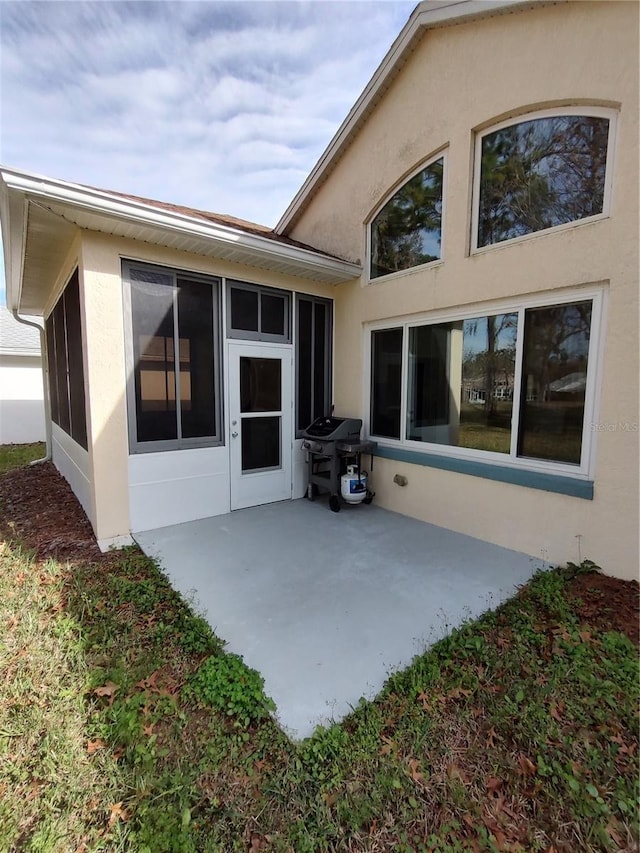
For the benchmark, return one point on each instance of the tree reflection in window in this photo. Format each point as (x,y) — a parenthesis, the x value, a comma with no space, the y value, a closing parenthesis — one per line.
(554,381)
(407,231)
(541,173)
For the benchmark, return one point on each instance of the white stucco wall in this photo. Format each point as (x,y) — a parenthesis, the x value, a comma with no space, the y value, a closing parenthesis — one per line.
(21,399)
(460,79)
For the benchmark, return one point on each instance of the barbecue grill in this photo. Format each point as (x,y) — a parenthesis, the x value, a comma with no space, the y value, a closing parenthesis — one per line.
(330,443)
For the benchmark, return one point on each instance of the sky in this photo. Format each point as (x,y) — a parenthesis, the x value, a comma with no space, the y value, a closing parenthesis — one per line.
(224,106)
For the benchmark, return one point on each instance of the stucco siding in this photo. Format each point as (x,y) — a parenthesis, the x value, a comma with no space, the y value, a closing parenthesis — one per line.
(101,302)
(459,80)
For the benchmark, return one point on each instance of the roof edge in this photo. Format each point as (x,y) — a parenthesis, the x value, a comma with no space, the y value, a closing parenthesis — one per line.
(429,14)
(31,187)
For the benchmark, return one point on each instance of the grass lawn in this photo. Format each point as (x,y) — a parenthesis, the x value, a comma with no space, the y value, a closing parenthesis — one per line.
(124,725)
(14,455)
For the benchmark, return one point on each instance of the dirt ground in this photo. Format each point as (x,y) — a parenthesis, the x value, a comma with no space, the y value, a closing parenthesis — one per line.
(38,508)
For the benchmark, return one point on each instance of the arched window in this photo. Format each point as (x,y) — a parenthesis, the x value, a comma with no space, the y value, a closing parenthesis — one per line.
(407,231)
(541,172)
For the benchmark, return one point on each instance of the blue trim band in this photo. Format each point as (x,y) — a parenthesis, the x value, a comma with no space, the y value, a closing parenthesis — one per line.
(559,483)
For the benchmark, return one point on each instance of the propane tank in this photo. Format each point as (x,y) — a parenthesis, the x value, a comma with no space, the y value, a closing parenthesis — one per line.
(353,488)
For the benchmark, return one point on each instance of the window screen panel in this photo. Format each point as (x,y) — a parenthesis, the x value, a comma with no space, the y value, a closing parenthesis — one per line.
(64,414)
(272,314)
(52,369)
(154,358)
(244,309)
(197,357)
(313,359)
(319,360)
(304,344)
(75,360)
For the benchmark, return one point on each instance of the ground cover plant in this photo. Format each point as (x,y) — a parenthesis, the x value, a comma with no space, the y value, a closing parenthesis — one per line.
(125,726)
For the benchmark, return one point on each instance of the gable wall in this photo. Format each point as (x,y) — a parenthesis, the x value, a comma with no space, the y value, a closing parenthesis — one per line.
(459,79)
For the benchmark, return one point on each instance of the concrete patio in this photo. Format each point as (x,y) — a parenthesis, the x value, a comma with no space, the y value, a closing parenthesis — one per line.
(325,606)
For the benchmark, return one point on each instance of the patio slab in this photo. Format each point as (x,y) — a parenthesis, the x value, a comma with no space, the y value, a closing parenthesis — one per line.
(326,605)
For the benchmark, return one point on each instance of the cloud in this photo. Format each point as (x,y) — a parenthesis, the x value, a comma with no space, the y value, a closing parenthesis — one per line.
(200,103)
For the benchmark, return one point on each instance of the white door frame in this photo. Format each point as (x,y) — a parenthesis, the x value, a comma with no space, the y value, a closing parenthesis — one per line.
(256,487)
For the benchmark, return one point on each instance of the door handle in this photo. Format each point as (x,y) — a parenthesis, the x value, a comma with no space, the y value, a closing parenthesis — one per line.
(234,434)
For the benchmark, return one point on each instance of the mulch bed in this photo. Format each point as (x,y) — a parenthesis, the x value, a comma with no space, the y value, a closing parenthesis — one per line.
(38,509)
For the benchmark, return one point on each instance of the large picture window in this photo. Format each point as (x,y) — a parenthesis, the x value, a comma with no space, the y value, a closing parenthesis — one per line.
(63,330)
(540,173)
(174,387)
(512,386)
(313,359)
(407,232)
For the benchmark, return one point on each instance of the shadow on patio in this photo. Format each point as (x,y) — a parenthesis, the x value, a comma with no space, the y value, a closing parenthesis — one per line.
(326,605)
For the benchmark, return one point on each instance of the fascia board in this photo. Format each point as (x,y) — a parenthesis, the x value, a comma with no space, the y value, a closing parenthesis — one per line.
(13,215)
(427,15)
(99,202)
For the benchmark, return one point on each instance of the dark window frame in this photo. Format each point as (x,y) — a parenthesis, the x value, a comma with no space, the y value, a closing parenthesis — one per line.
(137,446)
(327,366)
(260,290)
(65,363)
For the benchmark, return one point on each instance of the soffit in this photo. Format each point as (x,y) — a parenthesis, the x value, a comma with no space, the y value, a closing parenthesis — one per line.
(41,218)
(48,242)
(189,237)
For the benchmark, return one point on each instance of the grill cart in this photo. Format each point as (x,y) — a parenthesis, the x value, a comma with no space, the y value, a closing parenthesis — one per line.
(334,452)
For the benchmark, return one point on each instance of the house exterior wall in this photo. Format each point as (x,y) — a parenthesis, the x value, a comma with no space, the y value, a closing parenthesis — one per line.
(141,491)
(459,80)
(21,399)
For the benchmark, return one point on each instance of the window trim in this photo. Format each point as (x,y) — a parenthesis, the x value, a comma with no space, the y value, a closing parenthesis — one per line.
(588,111)
(475,459)
(243,334)
(328,304)
(441,154)
(180,443)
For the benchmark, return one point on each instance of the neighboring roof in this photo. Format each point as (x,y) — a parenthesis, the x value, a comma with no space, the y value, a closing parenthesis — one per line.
(429,14)
(40,217)
(15,337)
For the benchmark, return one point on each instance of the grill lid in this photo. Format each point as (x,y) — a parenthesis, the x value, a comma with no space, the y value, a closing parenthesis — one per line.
(332,429)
